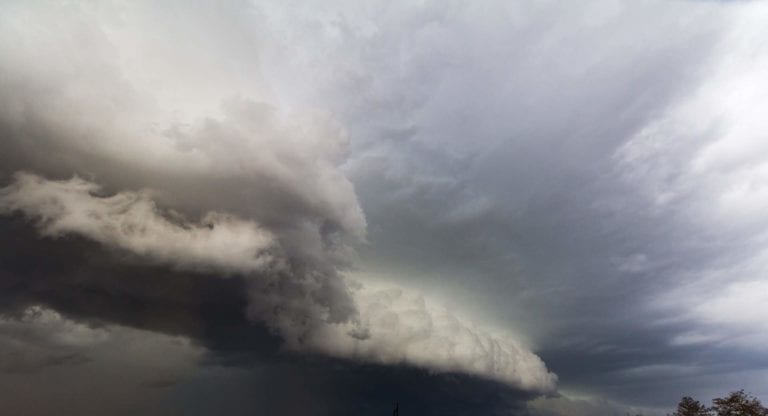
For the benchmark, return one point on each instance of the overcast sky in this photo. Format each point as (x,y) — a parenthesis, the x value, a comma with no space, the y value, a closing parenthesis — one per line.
(531,208)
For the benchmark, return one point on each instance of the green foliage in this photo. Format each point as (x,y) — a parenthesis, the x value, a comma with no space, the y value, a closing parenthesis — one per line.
(690,407)
(738,403)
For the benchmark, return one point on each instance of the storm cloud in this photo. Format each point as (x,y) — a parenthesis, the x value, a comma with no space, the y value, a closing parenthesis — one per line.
(491,201)
(221,181)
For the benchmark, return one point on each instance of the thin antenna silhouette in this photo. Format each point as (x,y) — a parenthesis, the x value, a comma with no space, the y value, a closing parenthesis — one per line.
(397,410)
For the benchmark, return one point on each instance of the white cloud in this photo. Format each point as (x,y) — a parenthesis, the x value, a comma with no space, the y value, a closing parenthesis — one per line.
(731,314)
(704,162)
(132,221)
(120,92)
(706,153)
(398,326)
(158,112)
(390,326)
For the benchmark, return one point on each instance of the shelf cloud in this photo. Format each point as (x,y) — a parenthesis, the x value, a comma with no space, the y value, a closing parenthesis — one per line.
(223,181)
(530,207)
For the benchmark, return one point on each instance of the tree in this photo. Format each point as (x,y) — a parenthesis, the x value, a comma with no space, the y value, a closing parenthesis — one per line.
(690,407)
(739,403)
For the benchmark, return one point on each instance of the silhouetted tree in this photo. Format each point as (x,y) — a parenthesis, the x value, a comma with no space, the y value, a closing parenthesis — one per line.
(690,407)
(739,403)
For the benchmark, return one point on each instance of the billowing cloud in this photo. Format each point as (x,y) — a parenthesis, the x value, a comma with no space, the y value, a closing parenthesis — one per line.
(131,221)
(389,326)
(570,170)
(395,326)
(591,176)
(193,161)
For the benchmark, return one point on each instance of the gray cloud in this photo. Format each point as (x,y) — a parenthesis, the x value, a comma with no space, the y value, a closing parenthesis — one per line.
(43,354)
(131,221)
(575,172)
(388,326)
(247,184)
(588,175)
(102,287)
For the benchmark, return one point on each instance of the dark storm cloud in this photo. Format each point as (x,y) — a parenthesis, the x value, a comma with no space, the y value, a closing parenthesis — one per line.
(94,284)
(309,309)
(325,388)
(160,167)
(101,287)
(588,174)
(570,170)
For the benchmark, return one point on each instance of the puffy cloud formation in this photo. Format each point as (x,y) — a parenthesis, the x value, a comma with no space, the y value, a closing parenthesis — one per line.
(390,326)
(124,102)
(201,165)
(568,170)
(396,326)
(131,221)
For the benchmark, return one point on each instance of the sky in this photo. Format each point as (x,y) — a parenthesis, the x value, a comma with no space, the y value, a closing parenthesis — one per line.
(530,208)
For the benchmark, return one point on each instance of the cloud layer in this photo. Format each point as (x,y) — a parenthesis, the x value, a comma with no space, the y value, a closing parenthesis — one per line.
(196,164)
(575,172)
(591,176)
(131,221)
(398,327)
(43,354)
(387,326)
